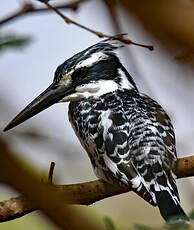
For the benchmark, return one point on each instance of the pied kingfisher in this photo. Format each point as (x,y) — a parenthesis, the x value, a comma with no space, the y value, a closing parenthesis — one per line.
(128,136)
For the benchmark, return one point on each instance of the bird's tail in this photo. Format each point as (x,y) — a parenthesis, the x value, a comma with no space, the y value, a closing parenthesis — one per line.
(169,205)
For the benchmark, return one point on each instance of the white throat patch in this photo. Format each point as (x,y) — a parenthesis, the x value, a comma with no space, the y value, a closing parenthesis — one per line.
(93,89)
(125,84)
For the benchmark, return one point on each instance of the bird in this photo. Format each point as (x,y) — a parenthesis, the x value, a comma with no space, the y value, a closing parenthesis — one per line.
(127,135)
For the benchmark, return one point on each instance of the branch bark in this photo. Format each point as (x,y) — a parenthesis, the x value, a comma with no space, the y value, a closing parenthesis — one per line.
(83,193)
(184,167)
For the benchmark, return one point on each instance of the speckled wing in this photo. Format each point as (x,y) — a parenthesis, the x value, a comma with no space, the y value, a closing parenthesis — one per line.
(129,139)
(156,154)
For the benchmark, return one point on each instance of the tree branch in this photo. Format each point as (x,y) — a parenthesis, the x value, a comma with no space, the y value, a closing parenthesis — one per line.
(30,8)
(99,34)
(184,167)
(83,193)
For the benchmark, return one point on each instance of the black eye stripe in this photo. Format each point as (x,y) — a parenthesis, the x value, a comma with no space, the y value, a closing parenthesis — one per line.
(80,73)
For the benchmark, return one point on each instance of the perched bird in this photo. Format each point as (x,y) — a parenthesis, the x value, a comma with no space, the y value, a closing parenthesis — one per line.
(128,136)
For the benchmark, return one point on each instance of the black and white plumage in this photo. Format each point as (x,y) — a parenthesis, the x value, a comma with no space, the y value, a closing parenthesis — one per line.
(128,136)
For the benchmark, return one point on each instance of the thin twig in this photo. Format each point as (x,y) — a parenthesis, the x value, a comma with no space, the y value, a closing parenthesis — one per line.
(30,8)
(51,171)
(99,34)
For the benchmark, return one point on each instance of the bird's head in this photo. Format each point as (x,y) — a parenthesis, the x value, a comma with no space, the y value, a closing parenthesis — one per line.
(90,73)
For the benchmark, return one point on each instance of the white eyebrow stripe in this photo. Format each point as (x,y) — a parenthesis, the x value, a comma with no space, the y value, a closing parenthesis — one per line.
(95,57)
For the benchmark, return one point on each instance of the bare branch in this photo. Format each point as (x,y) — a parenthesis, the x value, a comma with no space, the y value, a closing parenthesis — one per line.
(15,208)
(30,8)
(184,167)
(99,34)
(83,193)
(88,193)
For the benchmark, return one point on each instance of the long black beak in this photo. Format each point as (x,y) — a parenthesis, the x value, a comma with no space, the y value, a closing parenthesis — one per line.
(49,97)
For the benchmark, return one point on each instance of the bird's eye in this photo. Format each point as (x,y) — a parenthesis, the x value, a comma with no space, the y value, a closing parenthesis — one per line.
(79,73)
